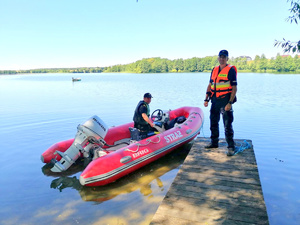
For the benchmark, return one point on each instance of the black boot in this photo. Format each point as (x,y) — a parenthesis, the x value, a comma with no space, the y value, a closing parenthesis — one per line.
(212,145)
(231,151)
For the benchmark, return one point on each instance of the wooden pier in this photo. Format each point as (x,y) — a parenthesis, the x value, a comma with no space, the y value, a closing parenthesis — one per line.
(212,188)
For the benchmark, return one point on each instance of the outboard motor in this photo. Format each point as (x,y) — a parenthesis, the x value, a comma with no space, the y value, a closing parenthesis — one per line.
(92,132)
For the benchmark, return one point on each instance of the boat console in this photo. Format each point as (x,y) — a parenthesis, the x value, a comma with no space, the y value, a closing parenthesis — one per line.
(89,134)
(159,118)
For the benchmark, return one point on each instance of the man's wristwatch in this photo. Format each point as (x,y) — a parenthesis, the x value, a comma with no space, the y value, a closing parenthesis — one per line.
(230,102)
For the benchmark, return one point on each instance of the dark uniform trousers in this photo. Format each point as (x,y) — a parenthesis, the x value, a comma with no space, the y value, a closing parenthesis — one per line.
(218,108)
(144,129)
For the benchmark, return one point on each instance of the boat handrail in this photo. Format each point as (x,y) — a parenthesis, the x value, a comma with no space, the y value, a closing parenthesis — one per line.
(139,144)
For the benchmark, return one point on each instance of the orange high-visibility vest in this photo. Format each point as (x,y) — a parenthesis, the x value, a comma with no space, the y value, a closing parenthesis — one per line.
(220,84)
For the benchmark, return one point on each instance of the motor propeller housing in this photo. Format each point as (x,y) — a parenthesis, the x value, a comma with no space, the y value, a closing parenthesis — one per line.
(91,132)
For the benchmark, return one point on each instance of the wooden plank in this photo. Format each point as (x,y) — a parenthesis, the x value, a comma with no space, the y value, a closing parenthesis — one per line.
(212,188)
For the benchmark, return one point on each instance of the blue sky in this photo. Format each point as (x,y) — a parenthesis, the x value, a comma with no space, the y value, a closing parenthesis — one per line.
(73,33)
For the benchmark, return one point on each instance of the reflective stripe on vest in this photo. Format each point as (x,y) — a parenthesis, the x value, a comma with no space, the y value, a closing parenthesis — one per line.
(220,84)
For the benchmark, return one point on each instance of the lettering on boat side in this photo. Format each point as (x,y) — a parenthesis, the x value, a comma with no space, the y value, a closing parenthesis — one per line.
(125,159)
(141,152)
(173,136)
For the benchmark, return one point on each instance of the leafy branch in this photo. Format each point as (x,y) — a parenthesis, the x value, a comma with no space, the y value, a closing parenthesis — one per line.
(287,45)
(295,11)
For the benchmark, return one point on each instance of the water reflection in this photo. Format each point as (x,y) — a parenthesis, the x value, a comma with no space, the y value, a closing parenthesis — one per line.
(139,180)
(77,167)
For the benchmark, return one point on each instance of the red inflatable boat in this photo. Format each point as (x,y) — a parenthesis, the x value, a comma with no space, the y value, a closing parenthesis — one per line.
(117,151)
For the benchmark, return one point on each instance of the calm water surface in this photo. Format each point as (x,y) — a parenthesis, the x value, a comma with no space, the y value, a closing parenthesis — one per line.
(39,110)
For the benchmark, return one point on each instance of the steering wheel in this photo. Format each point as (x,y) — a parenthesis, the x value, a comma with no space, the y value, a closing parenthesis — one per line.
(157,115)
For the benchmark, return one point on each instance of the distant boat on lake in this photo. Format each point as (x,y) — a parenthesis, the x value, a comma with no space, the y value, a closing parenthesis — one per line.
(76,79)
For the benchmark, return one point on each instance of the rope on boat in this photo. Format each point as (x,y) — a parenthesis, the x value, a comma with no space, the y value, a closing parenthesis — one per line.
(201,128)
(150,141)
(139,144)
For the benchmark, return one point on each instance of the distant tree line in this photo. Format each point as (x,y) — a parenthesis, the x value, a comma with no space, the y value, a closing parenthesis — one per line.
(260,64)
(56,70)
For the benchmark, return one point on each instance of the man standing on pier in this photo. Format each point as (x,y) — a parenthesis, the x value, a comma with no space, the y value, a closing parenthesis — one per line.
(221,90)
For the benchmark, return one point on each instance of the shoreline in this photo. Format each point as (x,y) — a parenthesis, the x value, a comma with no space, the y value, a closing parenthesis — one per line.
(206,71)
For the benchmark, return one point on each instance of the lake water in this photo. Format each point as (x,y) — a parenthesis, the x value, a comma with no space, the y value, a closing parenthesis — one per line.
(39,110)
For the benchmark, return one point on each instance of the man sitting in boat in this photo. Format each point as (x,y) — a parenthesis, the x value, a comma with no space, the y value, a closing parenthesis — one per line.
(141,116)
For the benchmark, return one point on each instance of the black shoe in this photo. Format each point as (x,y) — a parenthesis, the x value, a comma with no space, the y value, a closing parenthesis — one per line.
(231,152)
(211,146)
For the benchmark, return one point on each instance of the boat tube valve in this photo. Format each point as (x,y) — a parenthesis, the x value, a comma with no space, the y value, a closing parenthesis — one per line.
(92,132)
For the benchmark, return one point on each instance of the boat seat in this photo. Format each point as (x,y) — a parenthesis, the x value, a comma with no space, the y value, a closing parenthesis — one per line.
(177,120)
(134,134)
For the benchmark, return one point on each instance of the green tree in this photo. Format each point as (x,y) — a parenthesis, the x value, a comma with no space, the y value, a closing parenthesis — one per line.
(200,66)
(271,64)
(164,65)
(209,63)
(297,63)
(188,65)
(143,66)
(240,63)
(289,65)
(178,65)
(263,63)
(255,64)
(279,63)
